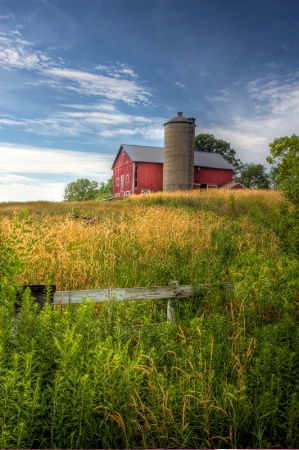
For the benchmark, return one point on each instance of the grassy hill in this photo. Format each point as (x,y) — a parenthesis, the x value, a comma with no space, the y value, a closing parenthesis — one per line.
(225,375)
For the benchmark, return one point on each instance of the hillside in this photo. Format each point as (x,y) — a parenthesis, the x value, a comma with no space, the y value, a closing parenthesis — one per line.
(102,376)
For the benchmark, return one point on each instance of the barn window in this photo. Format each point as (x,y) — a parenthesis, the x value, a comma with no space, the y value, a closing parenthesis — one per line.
(136,176)
(117,195)
(127,178)
(117,181)
(127,193)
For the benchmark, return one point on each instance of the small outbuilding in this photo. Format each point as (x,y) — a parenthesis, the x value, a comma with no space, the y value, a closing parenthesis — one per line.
(233,185)
(139,169)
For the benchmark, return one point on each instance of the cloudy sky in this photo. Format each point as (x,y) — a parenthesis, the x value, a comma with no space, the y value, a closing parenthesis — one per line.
(79,78)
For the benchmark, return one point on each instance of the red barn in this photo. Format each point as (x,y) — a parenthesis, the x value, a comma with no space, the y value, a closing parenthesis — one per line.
(139,169)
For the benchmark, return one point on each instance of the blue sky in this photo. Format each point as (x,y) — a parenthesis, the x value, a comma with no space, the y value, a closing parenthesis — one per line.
(79,78)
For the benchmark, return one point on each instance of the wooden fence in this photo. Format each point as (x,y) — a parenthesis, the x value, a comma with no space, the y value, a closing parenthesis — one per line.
(172,291)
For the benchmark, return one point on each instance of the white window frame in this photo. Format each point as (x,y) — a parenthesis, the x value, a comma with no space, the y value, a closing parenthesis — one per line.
(117,195)
(127,193)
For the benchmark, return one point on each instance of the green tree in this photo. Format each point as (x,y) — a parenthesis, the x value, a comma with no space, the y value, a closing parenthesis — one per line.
(272,176)
(105,189)
(208,143)
(285,154)
(254,176)
(80,190)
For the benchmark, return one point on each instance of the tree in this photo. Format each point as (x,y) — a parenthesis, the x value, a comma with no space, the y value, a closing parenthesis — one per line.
(80,190)
(285,153)
(254,176)
(208,143)
(272,176)
(105,189)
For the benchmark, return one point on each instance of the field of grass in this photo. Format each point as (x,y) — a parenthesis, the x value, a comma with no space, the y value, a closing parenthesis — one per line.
(84,376)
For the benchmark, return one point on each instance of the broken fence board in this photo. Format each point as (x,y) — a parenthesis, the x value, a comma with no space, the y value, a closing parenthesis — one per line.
(140,293)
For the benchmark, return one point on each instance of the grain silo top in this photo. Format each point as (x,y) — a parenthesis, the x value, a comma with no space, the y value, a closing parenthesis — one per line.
(180,118)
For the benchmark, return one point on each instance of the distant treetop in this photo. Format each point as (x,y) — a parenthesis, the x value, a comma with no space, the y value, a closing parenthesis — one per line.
(208,143)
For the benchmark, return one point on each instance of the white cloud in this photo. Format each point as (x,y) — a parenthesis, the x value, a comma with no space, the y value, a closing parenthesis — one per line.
(16,53)
(117,70)
(89,119)
(18,192)
(154,132)
(96,107)
(180,85)
(275,95)
(275,103)
(118,83)
(39,160)
(6,16)
(223,95)
(33,173)
(128,71)
(111,88)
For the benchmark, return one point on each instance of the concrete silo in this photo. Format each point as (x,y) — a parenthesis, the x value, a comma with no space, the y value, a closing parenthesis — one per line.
(178,169)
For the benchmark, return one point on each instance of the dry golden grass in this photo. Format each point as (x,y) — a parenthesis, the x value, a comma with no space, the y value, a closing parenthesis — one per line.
(132,241)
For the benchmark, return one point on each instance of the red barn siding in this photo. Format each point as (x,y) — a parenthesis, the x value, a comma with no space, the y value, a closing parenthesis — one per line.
(133,177)
(149,176)
(123,175)
(212,176)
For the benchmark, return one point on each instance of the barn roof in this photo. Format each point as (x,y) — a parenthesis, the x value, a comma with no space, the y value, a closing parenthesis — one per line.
(211,160)
(140,153)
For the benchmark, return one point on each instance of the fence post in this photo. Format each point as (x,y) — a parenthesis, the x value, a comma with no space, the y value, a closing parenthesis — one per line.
(170,308)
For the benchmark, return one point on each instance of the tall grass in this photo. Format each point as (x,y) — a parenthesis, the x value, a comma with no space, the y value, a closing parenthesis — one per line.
(82,377)
(140,241)
(101,376)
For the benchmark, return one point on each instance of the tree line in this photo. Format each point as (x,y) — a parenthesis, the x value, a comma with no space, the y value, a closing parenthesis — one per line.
(283,174)
(250,175)
(84,189)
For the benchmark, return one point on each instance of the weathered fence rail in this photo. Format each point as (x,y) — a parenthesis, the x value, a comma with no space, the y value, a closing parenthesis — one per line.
(172,291)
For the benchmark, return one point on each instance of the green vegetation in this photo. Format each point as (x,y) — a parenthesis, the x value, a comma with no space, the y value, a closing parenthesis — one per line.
(101,376)
(208,143)
(254,176)
(250,175)
(285,153)
(84,189)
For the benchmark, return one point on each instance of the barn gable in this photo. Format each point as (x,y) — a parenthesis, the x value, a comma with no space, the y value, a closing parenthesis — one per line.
(140,153)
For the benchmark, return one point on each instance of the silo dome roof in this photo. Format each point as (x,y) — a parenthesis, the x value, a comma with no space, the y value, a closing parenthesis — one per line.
(180,118)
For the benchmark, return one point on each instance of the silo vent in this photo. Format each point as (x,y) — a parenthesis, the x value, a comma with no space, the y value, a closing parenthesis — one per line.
(180,113)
